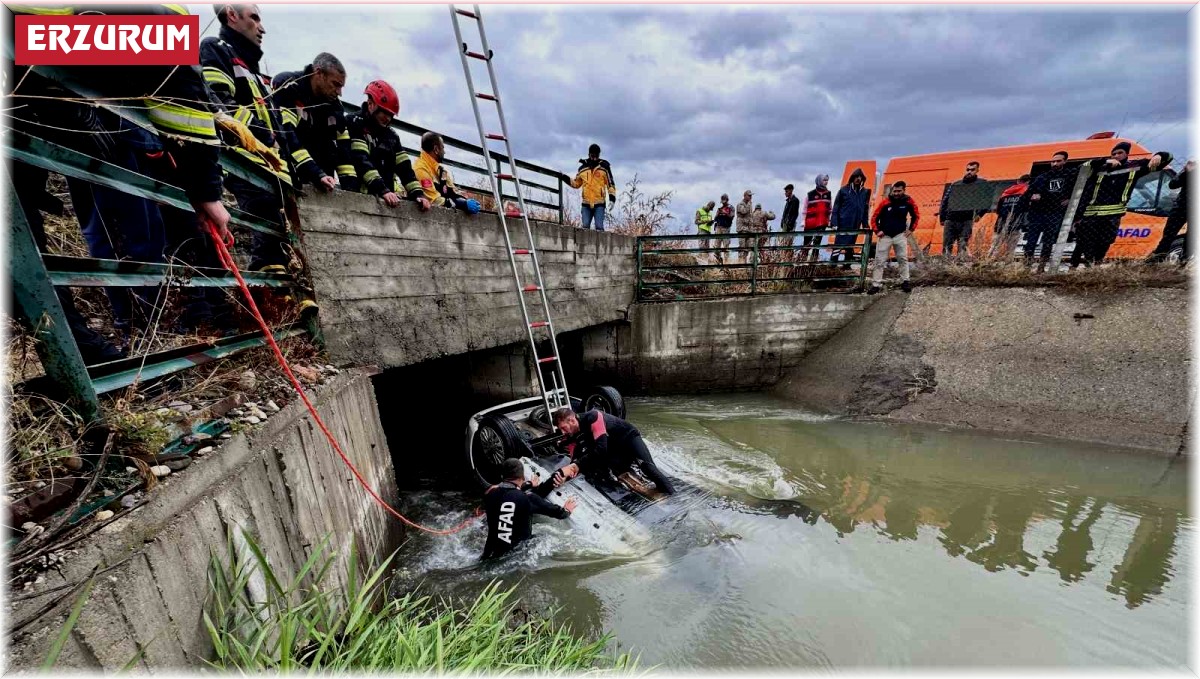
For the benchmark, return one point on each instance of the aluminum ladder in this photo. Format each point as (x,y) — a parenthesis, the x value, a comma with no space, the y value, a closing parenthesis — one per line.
(556,395)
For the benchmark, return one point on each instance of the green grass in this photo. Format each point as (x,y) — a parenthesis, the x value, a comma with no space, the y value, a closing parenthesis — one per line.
(307,624)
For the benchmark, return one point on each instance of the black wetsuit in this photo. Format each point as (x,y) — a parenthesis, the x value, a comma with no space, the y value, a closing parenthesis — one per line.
(509,510)
(611,441)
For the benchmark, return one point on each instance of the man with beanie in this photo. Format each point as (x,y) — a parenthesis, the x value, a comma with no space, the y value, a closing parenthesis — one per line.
(894,218)
(1046,202)
(817,210)
(510,508)
(1178,217)
(958,222)
(1105,198)
(850,212)
(596,179)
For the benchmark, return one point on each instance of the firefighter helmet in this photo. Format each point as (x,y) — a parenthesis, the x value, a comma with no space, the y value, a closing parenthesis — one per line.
(384,96)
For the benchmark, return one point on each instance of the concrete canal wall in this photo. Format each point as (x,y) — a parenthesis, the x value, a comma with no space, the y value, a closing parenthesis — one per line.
(284,484)
(398,286)
(1108,368)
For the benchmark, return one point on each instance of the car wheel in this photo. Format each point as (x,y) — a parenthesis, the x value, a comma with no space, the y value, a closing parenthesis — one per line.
(1176,254)
(496,440)
(605,399)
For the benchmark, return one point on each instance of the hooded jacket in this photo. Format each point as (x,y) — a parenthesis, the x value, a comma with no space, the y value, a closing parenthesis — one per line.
(851,205)
(596,179)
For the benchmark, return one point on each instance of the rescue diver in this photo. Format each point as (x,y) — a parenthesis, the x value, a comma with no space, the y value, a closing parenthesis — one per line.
(510,507)
(605,440)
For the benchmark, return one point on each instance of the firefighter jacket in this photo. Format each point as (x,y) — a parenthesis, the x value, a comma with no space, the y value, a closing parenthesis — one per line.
(381,163)
(1109,191)
(174,99)
(704,219)
(596,180)
(817,208)
(229,64)
(435,180)
(314,130)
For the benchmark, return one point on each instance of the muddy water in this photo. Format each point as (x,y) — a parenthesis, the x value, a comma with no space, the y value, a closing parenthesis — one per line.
(811,542)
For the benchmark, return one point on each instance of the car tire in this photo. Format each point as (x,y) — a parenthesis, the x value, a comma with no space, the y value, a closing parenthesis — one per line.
(1177,252)
(495,440)
(605,399)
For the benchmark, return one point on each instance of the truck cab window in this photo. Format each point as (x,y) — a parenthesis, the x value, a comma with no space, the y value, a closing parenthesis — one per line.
(1144,198)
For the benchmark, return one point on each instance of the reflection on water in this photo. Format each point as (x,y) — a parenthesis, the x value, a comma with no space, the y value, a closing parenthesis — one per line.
(827,543)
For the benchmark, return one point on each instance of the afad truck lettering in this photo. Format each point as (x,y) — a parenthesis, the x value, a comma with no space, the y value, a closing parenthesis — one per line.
(928,176)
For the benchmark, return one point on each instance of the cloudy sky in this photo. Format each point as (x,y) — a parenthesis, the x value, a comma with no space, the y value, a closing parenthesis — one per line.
(704,100)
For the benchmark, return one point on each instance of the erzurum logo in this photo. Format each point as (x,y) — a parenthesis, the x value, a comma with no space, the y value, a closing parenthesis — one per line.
(107,40)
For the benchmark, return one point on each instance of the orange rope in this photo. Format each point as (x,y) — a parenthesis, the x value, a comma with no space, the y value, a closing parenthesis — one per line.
(227,261)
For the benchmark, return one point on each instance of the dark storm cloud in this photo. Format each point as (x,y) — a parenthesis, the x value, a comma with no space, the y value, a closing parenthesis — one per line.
(704,99)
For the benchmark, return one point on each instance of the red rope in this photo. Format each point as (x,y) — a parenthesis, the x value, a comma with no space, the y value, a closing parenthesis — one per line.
(228,263)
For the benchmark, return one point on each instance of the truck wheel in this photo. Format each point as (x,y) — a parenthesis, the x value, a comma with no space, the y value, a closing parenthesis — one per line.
(1177,252)
(496,440)
(605,399)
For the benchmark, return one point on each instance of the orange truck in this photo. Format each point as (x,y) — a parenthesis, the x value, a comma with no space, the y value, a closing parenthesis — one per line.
(928,177)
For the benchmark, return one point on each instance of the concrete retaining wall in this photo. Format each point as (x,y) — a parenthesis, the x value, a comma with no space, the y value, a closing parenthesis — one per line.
(397,286)
(1108,368)
(710,345)
(285,485)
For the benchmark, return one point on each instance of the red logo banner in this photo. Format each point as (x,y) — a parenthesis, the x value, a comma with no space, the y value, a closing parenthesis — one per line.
(107,40)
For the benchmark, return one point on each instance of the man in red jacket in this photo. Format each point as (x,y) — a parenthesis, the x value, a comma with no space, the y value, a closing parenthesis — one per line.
(894,218)
(1010,217)
(817,209)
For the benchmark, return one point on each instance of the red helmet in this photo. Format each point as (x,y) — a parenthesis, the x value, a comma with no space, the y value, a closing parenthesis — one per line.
(384,96)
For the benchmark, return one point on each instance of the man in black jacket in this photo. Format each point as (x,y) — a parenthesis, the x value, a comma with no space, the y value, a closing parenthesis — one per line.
(1047,199)
(1106,197)
(957,224)
(1178,217)
(850,212)
(894,218)
(791,210)
(510,508)
(606,441)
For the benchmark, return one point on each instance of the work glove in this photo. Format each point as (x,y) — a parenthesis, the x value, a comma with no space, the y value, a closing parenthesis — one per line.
(248,141)
(468,205)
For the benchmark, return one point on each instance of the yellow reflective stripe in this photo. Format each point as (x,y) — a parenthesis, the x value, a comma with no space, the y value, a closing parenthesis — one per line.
(289,117)
(260,103)
(343,136)
(402,158)
(184,120)
(215,76)
(411,186)
(242,115)
(347,171)
(359,145)
(301,156)
(258,160)
(41,10)
(178,9)
(395,184)
(1104,211)
(370,176)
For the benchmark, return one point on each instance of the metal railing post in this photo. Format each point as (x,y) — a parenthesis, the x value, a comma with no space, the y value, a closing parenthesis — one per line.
(38,303)
(754,267)
(562,217)
(864,259)
(638,295)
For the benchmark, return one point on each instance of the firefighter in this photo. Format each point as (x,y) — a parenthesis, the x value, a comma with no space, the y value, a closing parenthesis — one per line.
(381,163)
(595,177)
(314,125)
(597,440)
(435,179)
(1105,197)
(509,508)
(230,65)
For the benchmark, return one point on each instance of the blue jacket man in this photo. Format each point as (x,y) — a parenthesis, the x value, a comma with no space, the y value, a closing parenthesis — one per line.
(850,211)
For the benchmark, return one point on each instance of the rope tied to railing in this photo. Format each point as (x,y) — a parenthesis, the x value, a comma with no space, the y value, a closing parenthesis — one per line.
(227,261)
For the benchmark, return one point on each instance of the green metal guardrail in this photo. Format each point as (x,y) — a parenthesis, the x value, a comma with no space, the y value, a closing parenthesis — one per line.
(754,248)
(497,158)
